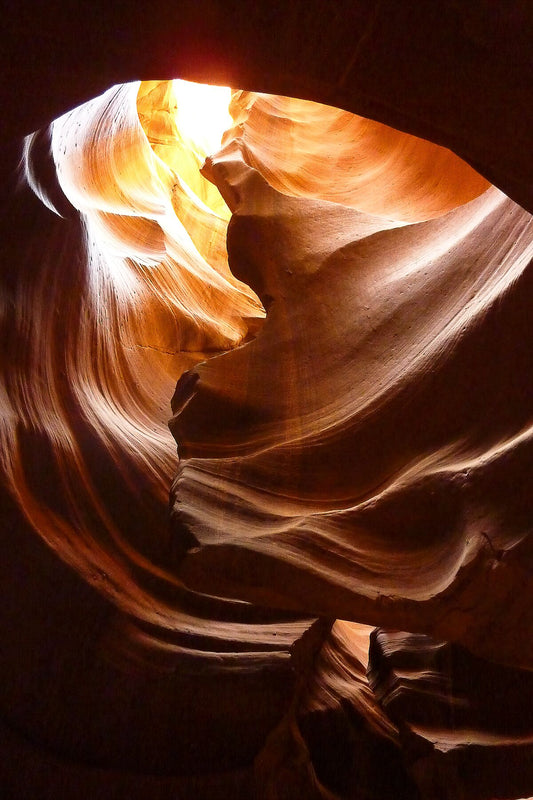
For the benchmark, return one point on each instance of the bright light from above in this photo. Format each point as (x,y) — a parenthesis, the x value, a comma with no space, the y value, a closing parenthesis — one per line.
(202,113)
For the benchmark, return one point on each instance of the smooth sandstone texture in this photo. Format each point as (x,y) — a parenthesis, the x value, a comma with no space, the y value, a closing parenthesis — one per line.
(362,453)
(374,469)
(108,659)
(311,150)
(457,74)
(462,718)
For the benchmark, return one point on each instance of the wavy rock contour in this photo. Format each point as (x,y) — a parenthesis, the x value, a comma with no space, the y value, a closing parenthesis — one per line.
(361,454)
(377,470)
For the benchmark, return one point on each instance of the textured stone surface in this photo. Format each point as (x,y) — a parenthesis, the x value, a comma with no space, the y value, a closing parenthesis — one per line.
(361,454)
(458,76)
(376,469)
(464,722)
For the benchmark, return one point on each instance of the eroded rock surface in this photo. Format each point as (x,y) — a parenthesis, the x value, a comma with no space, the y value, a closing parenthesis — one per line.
(376,469)
(465,723)
(360,456)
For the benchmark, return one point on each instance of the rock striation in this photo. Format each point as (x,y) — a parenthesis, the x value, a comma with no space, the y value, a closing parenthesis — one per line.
(344,308)
(374,471)
(463,736)
(124,668)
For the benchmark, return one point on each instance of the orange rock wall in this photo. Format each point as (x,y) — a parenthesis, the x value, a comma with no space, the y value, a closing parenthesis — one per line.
(361,454)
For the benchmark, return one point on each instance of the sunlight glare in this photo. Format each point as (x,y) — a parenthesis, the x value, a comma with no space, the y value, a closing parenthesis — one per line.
(202,113)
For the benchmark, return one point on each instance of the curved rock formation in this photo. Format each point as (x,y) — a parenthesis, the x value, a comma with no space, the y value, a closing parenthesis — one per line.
(375,470)
(457,75)
(311,150)
(362,453)
(464,737)
(100,316)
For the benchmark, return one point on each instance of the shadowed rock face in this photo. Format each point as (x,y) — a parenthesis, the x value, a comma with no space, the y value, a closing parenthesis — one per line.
(373,469)
(463,720)
(345,310)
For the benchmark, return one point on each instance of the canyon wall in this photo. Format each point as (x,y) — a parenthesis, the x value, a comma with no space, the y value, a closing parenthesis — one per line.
(340,604)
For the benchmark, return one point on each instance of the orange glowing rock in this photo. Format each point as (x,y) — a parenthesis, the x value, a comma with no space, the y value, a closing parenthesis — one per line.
(372,470)
(311,150)
(345,310)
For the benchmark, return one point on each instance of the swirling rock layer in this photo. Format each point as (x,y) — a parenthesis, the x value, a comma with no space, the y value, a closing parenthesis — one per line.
(464,737)
(125,669)
(363,454)
(376,469)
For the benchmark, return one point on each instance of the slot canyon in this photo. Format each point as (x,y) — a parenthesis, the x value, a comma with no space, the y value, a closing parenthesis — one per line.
(267,401)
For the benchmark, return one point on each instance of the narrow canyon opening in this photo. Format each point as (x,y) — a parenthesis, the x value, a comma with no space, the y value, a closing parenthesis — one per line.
(336,587)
